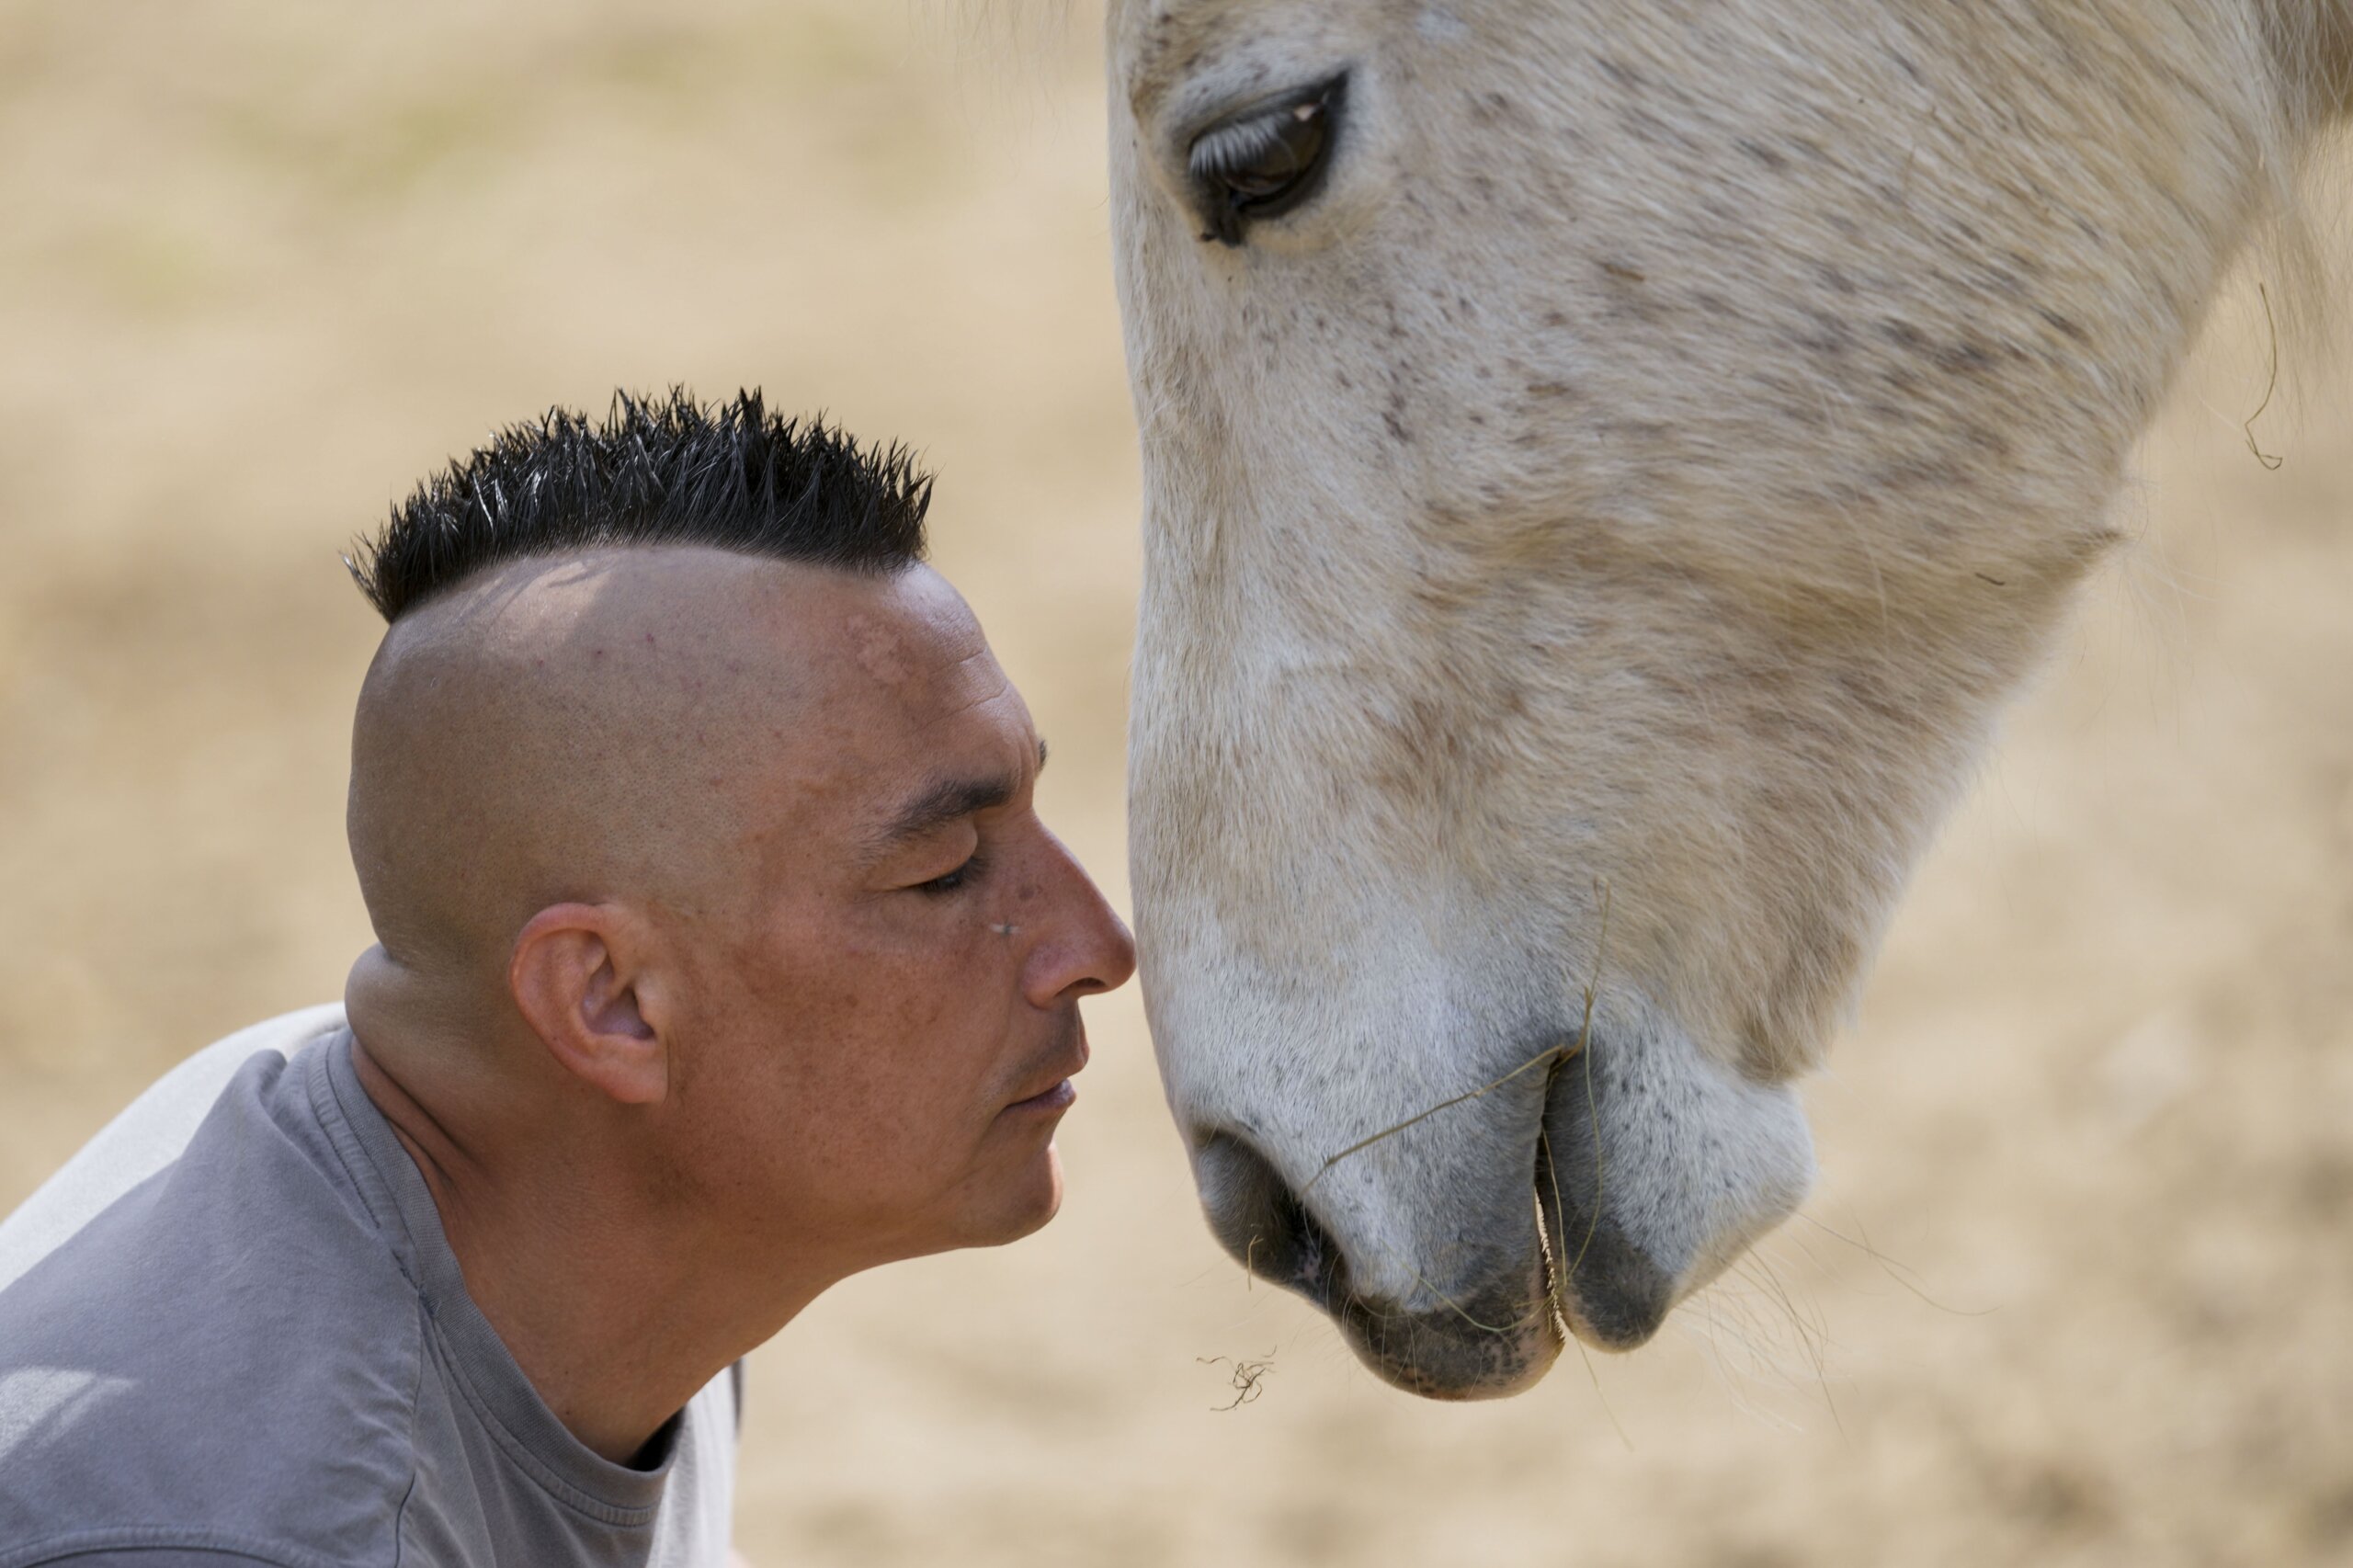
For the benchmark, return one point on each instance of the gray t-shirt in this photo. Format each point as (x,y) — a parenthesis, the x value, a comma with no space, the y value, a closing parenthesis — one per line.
(231,1332)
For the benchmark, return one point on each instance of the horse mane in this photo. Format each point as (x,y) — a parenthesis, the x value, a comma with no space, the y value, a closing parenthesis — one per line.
(2306,153)
(2312,42)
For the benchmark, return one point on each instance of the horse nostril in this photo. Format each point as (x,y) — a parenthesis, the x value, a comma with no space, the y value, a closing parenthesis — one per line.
(1255,1217)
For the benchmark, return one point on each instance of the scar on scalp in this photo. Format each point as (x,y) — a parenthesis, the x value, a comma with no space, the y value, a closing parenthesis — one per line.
(879,651)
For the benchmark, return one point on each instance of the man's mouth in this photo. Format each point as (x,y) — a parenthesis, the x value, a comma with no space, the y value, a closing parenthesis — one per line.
(1061,1097)
(1064,1059)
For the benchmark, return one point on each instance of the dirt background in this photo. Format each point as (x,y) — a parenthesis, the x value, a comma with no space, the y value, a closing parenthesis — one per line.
(262,265)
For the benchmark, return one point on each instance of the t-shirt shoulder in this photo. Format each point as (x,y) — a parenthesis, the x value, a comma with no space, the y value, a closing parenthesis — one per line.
(234,1332)
(150,1134)
(165,1358)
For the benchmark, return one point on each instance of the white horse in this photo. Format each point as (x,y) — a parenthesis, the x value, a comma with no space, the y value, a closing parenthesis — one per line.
(1606,464)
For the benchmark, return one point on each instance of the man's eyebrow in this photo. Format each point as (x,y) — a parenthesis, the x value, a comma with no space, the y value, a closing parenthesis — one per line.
(946,801)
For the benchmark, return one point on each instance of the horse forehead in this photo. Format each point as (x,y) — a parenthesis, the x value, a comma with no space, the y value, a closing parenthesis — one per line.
(1158,41)
(1157,44)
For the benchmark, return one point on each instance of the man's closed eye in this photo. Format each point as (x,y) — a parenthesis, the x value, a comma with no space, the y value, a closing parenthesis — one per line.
(956,881)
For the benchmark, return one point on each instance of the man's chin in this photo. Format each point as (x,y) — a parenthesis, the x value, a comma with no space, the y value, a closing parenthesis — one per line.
(1022,1204)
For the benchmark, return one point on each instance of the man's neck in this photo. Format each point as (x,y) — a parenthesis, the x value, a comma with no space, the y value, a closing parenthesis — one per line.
(604,1306)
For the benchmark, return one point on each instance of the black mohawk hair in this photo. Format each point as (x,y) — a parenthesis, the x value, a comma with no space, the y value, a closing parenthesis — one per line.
(654,472)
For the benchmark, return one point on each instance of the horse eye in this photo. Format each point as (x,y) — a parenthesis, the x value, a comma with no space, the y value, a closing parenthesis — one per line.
(1267,160)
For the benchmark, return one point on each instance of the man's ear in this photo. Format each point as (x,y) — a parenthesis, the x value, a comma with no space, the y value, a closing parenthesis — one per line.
(576,976)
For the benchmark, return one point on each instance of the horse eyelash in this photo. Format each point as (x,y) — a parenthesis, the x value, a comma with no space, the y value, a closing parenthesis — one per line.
(1231,147)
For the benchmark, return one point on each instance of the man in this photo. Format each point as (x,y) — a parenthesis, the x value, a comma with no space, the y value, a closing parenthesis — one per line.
(721,955)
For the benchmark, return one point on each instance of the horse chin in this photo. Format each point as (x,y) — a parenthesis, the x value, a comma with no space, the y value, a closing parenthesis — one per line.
(1494,1345)
(1587,1282)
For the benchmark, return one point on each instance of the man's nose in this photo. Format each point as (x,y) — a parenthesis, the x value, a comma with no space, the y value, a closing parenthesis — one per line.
(1087,948)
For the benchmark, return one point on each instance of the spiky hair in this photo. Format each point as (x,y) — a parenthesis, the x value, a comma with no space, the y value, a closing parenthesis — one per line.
(655,472)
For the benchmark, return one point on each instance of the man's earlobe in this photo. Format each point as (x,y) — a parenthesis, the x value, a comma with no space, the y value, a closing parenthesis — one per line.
(576,980)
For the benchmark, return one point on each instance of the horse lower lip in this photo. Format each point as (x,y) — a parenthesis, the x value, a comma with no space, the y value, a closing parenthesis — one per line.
(1494,1343)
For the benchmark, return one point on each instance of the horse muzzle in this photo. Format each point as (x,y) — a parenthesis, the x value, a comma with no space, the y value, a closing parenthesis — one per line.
(1501,1315)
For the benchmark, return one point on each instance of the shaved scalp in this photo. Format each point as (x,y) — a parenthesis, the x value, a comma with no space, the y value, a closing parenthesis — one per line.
(563,731)
(732,477)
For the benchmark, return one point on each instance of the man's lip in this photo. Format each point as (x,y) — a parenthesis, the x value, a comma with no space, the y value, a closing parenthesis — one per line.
(1059,1097)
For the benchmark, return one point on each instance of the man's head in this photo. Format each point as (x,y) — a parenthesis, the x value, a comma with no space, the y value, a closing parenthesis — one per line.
(694,819)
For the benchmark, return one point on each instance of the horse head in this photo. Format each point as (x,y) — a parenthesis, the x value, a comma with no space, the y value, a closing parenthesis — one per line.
(1606,464)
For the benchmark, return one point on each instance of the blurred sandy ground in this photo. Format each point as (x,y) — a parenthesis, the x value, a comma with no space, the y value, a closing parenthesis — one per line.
(261,266)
